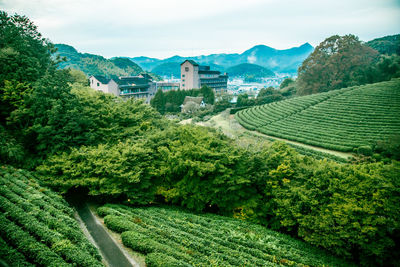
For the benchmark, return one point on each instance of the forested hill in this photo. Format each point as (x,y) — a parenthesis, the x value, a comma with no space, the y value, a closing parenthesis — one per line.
(386,45)
(247,69)
(96,65)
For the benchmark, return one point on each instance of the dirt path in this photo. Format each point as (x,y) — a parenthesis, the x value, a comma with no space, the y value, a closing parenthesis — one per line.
(233,129)
(109,249)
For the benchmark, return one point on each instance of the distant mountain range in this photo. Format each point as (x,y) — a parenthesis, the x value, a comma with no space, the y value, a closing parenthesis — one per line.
(279,61)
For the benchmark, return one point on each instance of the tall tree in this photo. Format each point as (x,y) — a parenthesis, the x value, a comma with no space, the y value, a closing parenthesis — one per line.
(158,102)
(208,94)
(337,62)
(24,59)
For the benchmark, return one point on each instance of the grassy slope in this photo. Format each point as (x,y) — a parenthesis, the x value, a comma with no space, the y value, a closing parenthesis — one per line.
(230,127)
(37,227)
(209,240)
(338,120)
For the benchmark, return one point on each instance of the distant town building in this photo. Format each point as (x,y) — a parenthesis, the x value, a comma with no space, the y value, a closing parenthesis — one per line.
(167,86)
(195,76)
(141,86)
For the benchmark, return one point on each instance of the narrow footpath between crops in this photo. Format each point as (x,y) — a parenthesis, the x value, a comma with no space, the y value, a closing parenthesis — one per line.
(110,251)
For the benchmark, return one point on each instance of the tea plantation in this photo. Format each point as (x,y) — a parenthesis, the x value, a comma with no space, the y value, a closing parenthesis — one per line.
(341,120)
(37,227)
(172,237)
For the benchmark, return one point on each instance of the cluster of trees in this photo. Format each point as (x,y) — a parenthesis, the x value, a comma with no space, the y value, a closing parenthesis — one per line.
(343,61)
(45,110)
(267,95)
(171,101)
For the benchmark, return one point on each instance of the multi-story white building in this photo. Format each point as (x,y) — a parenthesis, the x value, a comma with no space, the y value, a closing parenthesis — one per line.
(141,86)
(195,76)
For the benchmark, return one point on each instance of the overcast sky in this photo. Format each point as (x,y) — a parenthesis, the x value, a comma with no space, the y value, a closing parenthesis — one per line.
(163,28)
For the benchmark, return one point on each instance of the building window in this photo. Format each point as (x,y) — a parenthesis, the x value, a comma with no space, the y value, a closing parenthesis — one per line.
(186,69)
(183,75)
(183,85)
(183,80)
(98,84)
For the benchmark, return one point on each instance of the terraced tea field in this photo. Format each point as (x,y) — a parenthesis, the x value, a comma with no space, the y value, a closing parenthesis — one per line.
(171,237)
(37,227)
(340,120)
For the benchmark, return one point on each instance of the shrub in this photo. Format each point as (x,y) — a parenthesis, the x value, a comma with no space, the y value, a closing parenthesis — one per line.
(162,260)
(364,150)
(139,242)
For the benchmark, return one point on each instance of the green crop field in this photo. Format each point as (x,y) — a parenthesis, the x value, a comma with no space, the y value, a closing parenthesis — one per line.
(37,227)
(172,237)
(339,120)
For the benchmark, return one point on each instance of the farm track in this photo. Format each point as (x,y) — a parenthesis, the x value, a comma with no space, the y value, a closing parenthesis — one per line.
(111,252)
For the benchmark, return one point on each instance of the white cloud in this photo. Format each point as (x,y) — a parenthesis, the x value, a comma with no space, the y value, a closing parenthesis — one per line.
(166,27)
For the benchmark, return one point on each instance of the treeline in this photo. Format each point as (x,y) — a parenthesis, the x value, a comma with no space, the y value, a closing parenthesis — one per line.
(171,101)
(79,138)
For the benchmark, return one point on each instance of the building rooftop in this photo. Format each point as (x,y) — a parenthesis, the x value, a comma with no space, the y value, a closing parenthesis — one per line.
(132,80)
(194,63)
(196,100)
(102,79)
(209,72)
(204,68)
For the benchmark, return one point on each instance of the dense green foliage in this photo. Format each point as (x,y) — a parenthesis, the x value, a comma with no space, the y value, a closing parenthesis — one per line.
(171,101)
(24,58)
(265,96)
(338,62)
(186,239)
(247,70)
(388,45)
(37,227)
(57,116)
(340,120)
(286,82)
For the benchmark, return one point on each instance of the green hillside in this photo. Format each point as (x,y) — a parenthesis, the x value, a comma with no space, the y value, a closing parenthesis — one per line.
(96,65)
(339,120)
(386,45)
(37,227)
(171,237)
(247,69)
(168,69)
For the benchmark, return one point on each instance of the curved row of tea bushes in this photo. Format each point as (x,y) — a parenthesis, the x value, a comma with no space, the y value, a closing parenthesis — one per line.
(37,226)
(340,120)
(207,240)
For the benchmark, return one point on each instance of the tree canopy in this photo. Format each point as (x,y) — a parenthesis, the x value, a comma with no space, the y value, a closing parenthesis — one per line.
(337,62)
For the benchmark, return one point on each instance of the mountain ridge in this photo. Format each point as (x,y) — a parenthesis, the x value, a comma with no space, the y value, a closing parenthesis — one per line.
(280,61)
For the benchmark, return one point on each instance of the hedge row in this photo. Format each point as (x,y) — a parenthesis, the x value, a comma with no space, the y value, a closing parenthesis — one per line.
(37,227)
(208,239)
